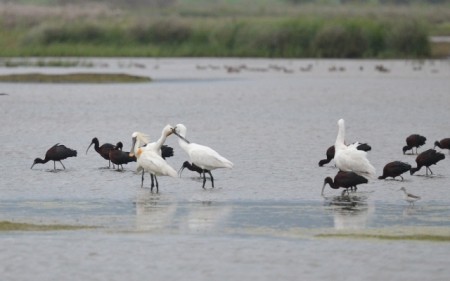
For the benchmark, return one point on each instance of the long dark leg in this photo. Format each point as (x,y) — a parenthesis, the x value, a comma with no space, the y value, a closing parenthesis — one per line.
(204,179)
(430,170)
(54,165)
(212,179)
(61,164)
(401,177)
(142,181)
(157,185)
(153,184)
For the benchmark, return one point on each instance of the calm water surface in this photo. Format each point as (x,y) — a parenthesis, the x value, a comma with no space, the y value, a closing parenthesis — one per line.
(274,119)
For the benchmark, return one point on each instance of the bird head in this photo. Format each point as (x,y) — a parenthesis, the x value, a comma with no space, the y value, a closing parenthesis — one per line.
(185,164)
(37,160)
(94,141)
(168,130)
(180,131)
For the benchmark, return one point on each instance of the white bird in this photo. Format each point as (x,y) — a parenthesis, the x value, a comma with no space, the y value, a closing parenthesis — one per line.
(411,198)
(349,158)
(149,158)
(202,156)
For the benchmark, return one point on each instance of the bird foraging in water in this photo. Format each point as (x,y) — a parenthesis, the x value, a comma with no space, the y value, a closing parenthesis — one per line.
(349,158)
(57,152)
(395,169)
(412,141)
(443,144)
(119,157)
(345,180)
(331,151)
(427,158)
(410,198)
(103,150)
(149,157)
(191,167)
(202,156)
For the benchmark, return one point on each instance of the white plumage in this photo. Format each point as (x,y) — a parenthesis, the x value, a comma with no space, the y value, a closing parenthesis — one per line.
(149,158)
(410,198)
(349,158)
(202,156)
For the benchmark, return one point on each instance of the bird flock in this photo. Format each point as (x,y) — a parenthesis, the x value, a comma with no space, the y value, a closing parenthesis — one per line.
(149,156)
(355,168)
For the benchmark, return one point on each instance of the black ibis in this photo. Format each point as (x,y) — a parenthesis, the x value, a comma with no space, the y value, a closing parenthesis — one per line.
(119,157)
(395,169)
(203,156)
(443,144)
(410,198)
(412,141)
(57,152)
(427,158)
(345,180)
(330,153)
(103,149)
(191,167)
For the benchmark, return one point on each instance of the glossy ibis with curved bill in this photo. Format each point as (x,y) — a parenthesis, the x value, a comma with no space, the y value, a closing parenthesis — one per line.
(192,167)
(150,160)
(103,150)
(345,180)
(119,157)
(395,169)
(158,147)
(57,152)
(348,158)
(330,153)
(427,158)
(443,144)
(414,140)
(410,198)
(202,156)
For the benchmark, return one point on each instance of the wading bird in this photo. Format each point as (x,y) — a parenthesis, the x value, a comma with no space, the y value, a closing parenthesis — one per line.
(345,180)
(427,158)
(349,158)
(410,198)
(395,169)
(103,150)
(202,156)
(412,141)
(191,167)
(150,160)
(57,152)
(443,144)
(119,157)
(330,153)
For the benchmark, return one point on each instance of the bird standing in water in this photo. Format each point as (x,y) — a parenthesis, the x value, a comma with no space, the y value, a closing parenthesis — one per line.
(410,198)
(57,152)
(103,150)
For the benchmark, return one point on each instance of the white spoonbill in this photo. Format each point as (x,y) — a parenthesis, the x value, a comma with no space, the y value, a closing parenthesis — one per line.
(349,158)
(202,156)
(149,159)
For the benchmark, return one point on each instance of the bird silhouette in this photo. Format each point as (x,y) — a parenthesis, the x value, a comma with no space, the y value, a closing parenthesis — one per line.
(57,152)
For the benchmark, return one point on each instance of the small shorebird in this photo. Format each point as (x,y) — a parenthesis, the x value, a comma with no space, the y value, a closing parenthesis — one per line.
(410,198)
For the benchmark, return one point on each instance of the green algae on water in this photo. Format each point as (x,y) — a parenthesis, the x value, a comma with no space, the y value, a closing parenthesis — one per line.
(14,226)
(74,78)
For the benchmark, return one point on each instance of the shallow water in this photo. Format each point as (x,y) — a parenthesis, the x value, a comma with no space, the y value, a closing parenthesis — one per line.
(275,122)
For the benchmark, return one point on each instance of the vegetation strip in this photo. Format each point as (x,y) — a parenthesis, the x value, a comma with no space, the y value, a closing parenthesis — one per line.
(74,78)
(418,237)
(13,226)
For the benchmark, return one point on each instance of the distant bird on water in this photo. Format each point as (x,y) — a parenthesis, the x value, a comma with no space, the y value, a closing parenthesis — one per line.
(57,152)
(349,158)
(412,141)
(427,158)
(202,156)
(395,169)
(331,151)
(410,198)
(103,150)
(119,157)
(443,144)
(345,180)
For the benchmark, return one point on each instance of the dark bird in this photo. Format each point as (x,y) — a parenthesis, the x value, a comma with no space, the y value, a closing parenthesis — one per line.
(103,150)
(166,151)
(331,151)
(395,169)
(119,157)
(192,167)
(345,180)
(412,141)
(427,158)
(57,152)
(443,144)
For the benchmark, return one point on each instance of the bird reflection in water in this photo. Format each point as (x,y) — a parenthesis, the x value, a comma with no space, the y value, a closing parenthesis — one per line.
(349,211)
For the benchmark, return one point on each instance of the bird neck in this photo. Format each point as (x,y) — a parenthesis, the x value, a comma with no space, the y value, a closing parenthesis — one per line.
(40,161)
(184,145)
(340,139)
